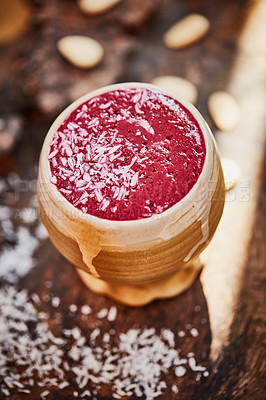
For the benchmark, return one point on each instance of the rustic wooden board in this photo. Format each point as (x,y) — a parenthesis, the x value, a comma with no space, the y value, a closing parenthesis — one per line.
(227,303)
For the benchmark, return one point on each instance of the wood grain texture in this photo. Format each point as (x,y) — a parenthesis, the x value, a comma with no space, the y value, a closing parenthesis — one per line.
(239,370)
(246,147)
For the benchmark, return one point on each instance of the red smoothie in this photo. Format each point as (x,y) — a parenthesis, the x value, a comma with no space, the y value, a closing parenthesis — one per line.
(127,154)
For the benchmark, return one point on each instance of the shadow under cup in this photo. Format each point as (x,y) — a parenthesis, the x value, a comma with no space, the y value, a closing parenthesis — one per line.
(136,261)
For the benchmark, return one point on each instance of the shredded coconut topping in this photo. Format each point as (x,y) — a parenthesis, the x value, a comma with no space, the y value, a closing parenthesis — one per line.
(123,148)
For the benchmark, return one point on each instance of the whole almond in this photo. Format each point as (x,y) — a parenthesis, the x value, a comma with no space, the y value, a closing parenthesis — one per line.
(81,51)
(181,86)
(95,7)
(188,30)
(224,110)
(231,172)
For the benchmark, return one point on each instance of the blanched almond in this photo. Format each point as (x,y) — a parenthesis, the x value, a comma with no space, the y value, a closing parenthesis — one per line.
(95,7)
(224,110)
(188,30)
(181,86)
(231,172)
(81,51)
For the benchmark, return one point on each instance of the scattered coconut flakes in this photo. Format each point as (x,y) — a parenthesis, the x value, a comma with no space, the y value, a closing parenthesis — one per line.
(44,394)
(63,385)
(96,332)
(28,215)
(181,361)
(73,308)
(17,261)
(103,313)
(85,309)
(112,314)
(106,337)
(36,298)
(133,365)
(180,371)
(194,332)
(8,231)
(85,393)
(41,232)
(174,389)
(55,302)
(30,351)
(194,366)
(169,337)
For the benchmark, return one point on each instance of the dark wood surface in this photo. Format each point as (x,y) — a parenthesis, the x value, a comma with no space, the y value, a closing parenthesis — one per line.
(36,84)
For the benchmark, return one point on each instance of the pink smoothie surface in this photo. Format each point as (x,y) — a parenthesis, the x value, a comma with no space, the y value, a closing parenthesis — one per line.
(127,154)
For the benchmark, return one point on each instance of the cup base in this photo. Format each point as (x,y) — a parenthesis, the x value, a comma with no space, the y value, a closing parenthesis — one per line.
(140,295)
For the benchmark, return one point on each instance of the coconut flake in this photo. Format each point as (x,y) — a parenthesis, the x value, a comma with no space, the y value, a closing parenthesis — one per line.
(194,366)
(113,149)
(102,313)
(134,179)
(85,309)
(194,332)
(112,314)
(105,204)
(106,105)
(52,154)
(180,371)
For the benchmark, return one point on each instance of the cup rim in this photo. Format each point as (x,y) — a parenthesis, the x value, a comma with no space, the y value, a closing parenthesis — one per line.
(102,222)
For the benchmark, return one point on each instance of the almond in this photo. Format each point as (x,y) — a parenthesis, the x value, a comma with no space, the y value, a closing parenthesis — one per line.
(188,30)
(181,86)
(81,51)
(95,7)
(224,110)
(231,172)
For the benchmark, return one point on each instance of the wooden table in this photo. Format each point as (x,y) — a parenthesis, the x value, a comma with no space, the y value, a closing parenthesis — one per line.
(222,316)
